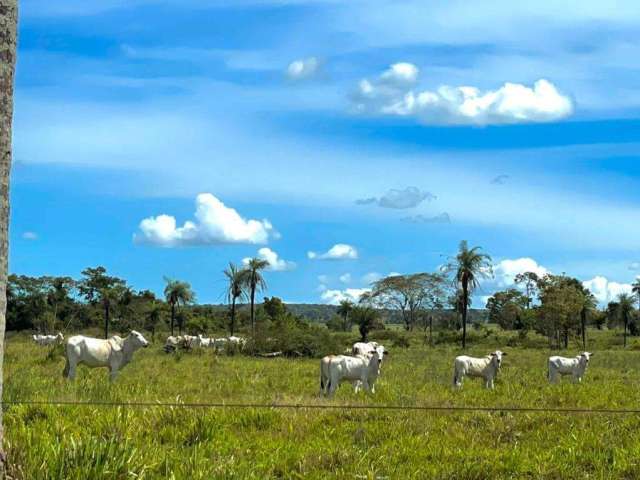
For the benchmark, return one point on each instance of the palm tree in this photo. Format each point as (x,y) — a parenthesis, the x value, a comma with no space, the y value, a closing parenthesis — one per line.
(253,282)
(470,265)
(8,31)
(177,293)
(235,290)
(344,310)
(635,288)
(625,307)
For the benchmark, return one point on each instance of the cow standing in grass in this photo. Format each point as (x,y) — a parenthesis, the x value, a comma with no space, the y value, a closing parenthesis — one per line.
(576,367)
(335,369)
(44,340)
(486,368)
(113,353)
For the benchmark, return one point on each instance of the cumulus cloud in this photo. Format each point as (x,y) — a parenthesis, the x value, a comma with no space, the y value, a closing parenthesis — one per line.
(276,264)
(30,236)
(215,223)
(500,180)
(340,251)
(371,277)
(605,290)
(393,93)
(399,199)
(505,271)
(303,69)
(345,278)
(334,297)
(441,218)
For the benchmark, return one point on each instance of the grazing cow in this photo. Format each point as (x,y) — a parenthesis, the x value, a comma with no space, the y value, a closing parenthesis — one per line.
(485,367)
(44,340)
(172,343)
(205,342)
(575,367)
(219,343)
(238,342)
(113,353)
(335,369)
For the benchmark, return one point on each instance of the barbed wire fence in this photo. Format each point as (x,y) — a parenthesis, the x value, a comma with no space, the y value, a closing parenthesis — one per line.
(302,406)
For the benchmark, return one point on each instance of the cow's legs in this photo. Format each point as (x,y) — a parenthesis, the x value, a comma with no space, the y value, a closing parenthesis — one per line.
(70,370)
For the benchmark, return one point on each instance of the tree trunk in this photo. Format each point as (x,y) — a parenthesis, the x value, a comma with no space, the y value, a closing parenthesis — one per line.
(106,320)
(625,332)
(465,302)
(173,317)
(583,328)
(232,326)
(431,330)
(253,317)
(566,338)
(8,35)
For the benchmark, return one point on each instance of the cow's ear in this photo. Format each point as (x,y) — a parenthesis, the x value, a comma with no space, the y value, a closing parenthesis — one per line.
(591,354)
(493,354)
(504,354)
(387,352)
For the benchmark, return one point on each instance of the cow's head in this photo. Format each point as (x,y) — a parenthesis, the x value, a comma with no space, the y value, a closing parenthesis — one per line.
(138,339)
(585,356)
(496,357)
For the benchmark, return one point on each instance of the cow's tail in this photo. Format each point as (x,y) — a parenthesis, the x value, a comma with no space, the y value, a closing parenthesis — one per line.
(65,372)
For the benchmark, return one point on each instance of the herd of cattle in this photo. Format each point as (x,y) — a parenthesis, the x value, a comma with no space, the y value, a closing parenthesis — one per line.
(361,366)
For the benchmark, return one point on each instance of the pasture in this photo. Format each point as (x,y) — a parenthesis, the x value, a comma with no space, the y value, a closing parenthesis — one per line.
(81,442)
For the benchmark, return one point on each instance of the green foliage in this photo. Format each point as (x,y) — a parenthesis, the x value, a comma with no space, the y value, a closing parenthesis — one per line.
(506,309)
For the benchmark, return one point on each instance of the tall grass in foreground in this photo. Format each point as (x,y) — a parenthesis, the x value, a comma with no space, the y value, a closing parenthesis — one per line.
(75,442)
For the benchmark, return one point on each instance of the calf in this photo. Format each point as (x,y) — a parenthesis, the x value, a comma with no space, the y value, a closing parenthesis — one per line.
(485,367)
(335,369)
(575,367)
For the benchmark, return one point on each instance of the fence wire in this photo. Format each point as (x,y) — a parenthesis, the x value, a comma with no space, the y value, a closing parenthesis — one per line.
(301,406)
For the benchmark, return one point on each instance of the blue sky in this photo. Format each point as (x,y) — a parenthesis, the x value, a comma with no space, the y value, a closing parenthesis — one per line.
(295,126)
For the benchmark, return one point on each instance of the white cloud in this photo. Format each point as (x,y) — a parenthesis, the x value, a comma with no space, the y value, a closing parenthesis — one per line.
(443,217)
(399,199)
(371,277)
(276,264)
(392,94)
(334,297)
(401,73)
(30,236)
(605,290)
(345,278)
(323,279)
(303,69)
(505,271)
(215,224)
(340,251)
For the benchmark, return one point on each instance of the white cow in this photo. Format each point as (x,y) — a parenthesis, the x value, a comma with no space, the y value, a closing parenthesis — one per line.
(44,340)
(575,367)
(205,342)
(485,367)
(173,343)
(362,348)
(219,343)
(239,341)
(113,353)
(335,369)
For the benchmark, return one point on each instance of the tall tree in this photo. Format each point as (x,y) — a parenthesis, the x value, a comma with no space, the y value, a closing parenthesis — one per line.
(635,288)
(344,310)
(254,281)
(8,37)
(470,266)
(235,291)
(625,309)
(177,293)
(98,288)
(506,307)
(530,281)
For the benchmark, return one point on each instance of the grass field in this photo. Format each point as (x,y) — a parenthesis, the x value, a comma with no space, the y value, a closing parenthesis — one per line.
(74,442)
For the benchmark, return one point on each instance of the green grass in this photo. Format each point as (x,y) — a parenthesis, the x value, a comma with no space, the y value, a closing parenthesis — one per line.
(74,442)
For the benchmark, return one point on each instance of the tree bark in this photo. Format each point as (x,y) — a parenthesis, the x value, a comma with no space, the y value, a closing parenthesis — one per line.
(8,38)
(173,317)
(106,320)
(465,301)
(232,327)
